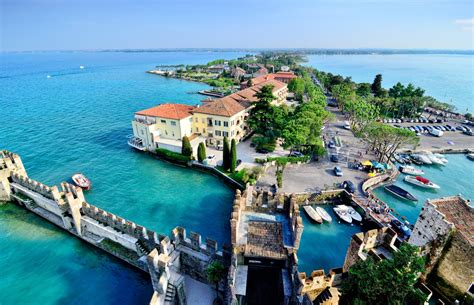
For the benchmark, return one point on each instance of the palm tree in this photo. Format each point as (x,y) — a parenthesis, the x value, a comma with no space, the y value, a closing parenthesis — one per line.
(215,273)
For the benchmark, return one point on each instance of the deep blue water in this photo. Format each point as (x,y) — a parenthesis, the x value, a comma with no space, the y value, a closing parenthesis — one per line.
(77,121)
(448,78)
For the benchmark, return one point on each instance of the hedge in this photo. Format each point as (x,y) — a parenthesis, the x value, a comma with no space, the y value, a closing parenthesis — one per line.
(172,156)
(282,159)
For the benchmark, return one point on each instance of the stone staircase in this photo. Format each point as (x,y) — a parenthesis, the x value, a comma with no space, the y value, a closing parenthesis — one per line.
(141,248)
(170,294)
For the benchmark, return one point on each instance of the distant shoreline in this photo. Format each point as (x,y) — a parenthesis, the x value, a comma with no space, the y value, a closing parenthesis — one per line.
(302,51)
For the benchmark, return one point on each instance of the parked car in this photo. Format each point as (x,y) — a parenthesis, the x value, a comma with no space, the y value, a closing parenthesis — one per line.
(296,154)
(338,171)
(334,158)
(468,132)
(331,144)
(348,186)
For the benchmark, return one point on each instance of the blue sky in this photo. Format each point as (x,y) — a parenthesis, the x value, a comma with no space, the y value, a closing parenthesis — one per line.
(106,24)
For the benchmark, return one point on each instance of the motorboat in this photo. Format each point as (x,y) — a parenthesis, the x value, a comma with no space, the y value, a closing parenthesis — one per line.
(410,170)
(441,157)
(399,192)
(401,227)
(343,214)
(351,211)
(434,159)
(312,213)
(416,160)
(398,159)
(422,158)
(81,181)
(422,182)
(470,156)
(324,215)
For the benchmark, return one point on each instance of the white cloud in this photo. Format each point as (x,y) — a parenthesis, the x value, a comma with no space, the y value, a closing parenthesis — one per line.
(465,24)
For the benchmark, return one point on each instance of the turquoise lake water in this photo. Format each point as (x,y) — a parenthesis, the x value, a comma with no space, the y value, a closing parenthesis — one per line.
(449,78)
(78,120)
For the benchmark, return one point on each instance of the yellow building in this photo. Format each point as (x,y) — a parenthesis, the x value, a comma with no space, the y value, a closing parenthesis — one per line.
(163,126)
(224,117)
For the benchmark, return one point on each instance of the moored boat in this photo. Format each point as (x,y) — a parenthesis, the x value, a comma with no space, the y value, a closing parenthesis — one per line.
(399,192)
(421,182)
(401,227)
(351,211)
(312,213)
(470,156)
(435,160)
(324,215)
(441,157)
(343,214)
(410,170)
(81,181)
(423,158)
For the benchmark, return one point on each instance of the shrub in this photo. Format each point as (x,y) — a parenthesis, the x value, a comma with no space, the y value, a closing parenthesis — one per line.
(172,156)
(233,156)
(226,155)
(282,160)
(201,152)
(186,148)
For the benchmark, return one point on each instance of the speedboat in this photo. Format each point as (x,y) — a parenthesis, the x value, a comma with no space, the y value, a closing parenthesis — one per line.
(351,211)
(399,192)
(410,170)
(401,227)
(81,181)
(441,157)
(470,156)
(312,213)
(398,159)
(435,160)
(343,214)
(423,158)
(422,182)
(324,215)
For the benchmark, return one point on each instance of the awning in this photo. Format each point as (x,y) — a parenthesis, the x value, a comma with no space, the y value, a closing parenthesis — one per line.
(367,163)
(378,165)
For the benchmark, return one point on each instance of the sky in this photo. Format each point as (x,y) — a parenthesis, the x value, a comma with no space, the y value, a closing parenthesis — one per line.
(151,24)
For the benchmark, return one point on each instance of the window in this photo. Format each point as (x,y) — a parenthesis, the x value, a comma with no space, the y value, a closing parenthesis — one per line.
(196,120)
(226,134)
(226,124)
(191,120)
(142,132)
(163,121)
(203,121)
(197,129)
(217,123)
(218,133)
(204,130)
(173,123)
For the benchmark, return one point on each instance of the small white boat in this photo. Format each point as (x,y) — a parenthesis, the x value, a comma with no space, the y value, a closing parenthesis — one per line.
(48,76)
(81,67)
(343,214)
(435,160)
(351,211)
(324,215)
(410,170)
(423,159)
(470,156)
(441,157)
(81,181)
(312,213)
(421,182)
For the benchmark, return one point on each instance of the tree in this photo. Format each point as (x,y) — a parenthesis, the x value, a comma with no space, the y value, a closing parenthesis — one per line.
(390,281)
(468,116)
(226,155)
(386,139)
(249,83)
(361,113)
(233,156)
(215,273)
(376,87)
(201,152)
(363,90)
(186,148)
(281,164)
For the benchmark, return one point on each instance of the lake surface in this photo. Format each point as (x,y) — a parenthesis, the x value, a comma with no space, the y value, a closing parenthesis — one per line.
(448,78)
(77,120)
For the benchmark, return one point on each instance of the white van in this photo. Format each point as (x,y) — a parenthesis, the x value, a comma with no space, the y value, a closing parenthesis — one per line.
(436,132)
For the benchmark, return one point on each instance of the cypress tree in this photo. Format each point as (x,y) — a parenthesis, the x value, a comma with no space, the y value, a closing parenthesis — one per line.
(233,156)
(226,155)
(201,152)
(377,85)
(186,149)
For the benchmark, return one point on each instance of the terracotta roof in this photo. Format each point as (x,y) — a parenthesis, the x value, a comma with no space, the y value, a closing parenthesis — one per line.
(168,111)
(282,74)
(279,75)
(226,106)
(277,85)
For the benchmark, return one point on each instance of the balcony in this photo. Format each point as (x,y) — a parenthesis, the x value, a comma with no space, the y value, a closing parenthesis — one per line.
(136,143)
(142,121)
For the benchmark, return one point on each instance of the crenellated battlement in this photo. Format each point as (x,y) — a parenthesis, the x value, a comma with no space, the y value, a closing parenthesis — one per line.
(194,242)
(38,187)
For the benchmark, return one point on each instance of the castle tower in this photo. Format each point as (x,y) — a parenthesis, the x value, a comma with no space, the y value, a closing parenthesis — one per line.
(9,162)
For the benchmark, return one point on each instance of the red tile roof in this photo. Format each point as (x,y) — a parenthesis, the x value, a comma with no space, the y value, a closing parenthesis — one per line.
(168,111)
(226,106)
(279,75)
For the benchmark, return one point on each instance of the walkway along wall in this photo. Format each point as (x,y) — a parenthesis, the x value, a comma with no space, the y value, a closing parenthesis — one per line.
(167,260)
